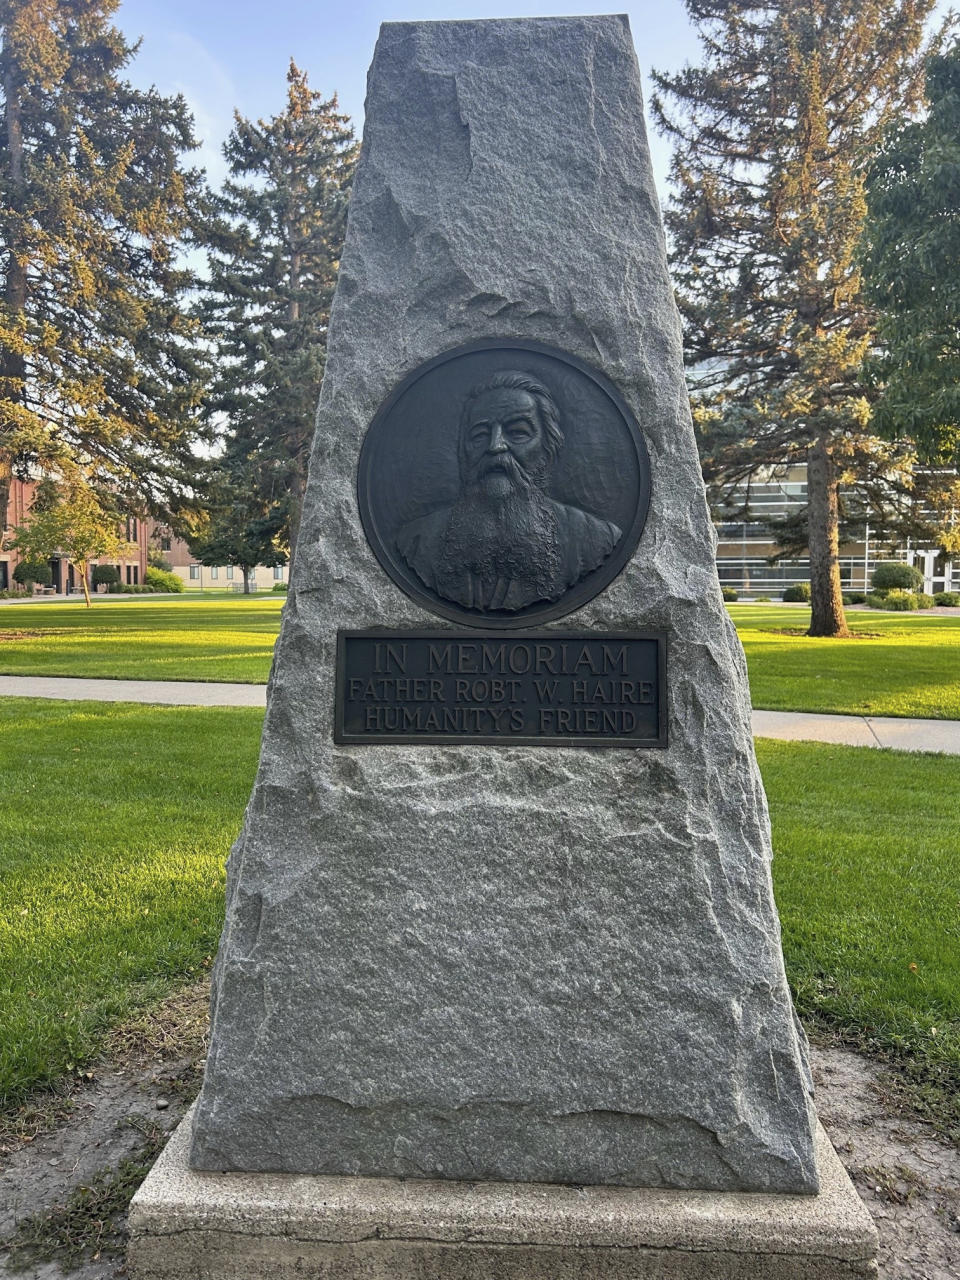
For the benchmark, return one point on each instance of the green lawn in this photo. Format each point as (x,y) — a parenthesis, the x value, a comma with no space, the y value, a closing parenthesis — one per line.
(115,821)
(867,877)
(169,638)
(900,665)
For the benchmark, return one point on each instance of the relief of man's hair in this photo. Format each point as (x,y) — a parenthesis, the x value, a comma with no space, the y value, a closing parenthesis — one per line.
(513,380)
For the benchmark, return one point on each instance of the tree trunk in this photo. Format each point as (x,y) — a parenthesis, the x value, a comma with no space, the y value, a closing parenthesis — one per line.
(246,580)
(12,365)
(81,568)
(826,597)
(6,481)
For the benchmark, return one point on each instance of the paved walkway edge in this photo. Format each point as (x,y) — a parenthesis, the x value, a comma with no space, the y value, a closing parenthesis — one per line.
(189,693)
(860,731)
(796,726)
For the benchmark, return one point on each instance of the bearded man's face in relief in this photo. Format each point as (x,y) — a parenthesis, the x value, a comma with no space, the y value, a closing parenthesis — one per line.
(503,444)
(505,543)
(503,529)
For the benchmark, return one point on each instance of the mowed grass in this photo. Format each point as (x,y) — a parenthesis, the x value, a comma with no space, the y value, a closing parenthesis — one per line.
(185,638)
(867,879)
(898,664)
(115,823)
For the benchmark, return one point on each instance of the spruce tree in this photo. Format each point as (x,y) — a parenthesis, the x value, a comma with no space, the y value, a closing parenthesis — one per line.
(97,364)
(770,137)
(912,262)
(275,251)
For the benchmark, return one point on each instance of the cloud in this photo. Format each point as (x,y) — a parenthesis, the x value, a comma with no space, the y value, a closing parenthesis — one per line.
(178,63)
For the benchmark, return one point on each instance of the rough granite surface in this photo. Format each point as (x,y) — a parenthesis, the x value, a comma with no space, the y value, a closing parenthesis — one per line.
(507,963)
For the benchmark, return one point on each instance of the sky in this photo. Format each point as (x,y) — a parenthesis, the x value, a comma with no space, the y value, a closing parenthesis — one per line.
(234,55)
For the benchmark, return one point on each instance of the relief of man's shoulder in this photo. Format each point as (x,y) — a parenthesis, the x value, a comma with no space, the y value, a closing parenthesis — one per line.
(585,540)
(420,542)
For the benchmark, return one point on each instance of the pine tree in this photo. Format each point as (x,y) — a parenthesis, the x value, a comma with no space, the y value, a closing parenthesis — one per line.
(770,142)
(97,366)
(246,516)
(275,252)
(912,262)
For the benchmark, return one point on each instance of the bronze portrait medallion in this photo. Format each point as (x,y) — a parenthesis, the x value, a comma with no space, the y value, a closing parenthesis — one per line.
(503,483)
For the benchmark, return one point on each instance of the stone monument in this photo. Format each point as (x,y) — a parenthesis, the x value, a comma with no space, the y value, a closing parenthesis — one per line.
(500,920)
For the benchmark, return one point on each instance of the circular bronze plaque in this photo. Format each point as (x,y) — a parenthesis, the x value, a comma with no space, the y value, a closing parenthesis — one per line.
(503,483)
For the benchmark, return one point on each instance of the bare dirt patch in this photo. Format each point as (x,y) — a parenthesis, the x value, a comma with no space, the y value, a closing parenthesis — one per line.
(69,1162)
(802,631)
(909,1181)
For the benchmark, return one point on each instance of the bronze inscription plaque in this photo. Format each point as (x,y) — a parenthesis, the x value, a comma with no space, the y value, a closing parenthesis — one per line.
(503,483)
(539,688)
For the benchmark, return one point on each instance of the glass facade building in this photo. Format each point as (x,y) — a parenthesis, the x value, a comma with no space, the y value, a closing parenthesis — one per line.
(746,549)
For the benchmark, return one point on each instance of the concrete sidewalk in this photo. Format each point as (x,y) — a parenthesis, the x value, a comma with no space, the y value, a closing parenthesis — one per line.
(186,693)
(860,731)
(801,726)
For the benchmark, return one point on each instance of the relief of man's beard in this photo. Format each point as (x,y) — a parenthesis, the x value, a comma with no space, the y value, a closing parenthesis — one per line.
(498,540)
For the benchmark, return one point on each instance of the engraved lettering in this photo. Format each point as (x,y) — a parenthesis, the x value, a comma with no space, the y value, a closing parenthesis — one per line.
(494,658)
(440,659)
(615,661)
(586,659)
(423,687)
(547,659)
(519,659)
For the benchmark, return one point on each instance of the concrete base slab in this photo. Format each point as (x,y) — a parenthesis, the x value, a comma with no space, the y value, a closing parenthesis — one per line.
(189,1225)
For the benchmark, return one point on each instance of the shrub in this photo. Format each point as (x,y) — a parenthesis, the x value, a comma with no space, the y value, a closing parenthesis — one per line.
(282,587)
(30,571)
(761,599)
(728,593)
(947,599)
(157,560)
(106,575)
(892,574)
(855,597)
(923,600)
(897,600)
(161,580)
(799,593)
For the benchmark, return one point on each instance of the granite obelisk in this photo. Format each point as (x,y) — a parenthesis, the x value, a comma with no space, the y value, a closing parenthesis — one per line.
(493,959)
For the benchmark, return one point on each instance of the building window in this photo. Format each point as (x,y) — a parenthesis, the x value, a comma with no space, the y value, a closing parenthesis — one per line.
(214,574)
(194,571)
(229,570)
(278,572)
(165,542)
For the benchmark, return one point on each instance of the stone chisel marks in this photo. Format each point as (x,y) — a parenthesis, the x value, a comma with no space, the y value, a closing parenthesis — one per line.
(506,962)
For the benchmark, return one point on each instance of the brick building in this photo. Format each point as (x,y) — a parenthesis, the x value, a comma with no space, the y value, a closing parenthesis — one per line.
(65,577)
